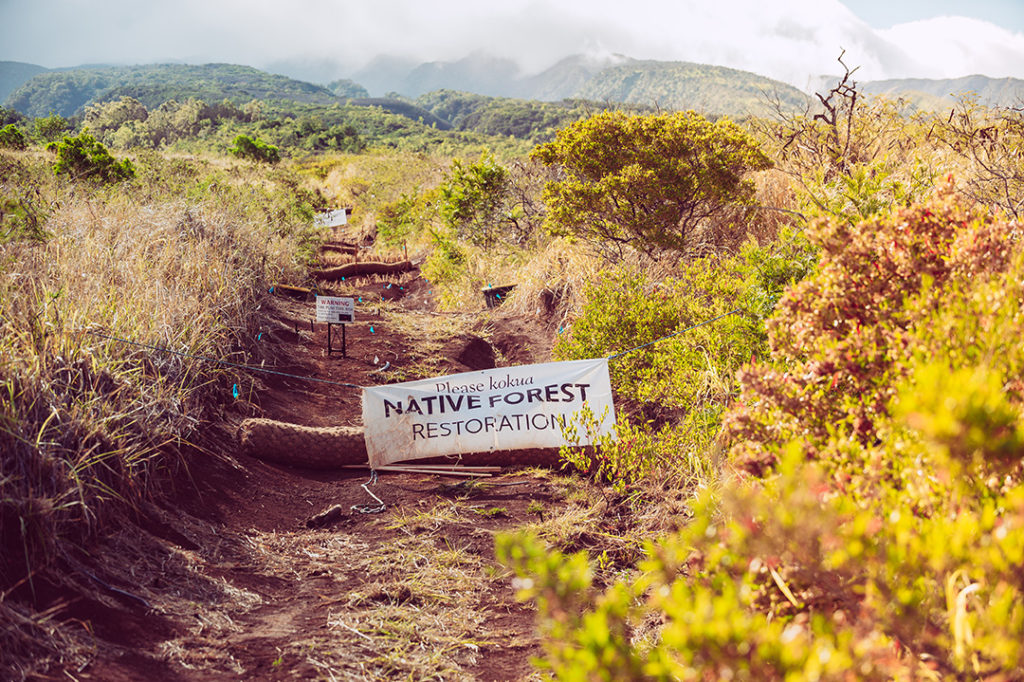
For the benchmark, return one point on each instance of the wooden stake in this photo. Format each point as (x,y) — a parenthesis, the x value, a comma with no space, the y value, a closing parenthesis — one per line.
(461,471)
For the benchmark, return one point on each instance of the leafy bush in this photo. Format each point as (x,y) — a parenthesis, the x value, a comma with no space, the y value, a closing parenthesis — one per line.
(50,128)
(8,116)
(83,158)
(474,202)
(690,373)
(246,147)
(676,388)
(885,538)
(446,261)
(11,137)
(647,182)
(109,116)
(839,339)
(399,220)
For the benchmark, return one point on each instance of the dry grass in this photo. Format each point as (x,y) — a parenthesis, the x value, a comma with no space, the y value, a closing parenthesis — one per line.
(84,421)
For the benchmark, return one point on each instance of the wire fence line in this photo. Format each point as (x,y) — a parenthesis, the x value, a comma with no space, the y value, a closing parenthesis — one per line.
(254,368)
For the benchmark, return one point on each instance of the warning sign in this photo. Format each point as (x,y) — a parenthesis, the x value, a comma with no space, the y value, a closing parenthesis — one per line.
(335,309)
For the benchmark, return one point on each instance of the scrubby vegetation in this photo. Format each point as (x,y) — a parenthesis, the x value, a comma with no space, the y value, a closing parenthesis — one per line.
(89,428)
(870,522)
(83,158)
(824,482)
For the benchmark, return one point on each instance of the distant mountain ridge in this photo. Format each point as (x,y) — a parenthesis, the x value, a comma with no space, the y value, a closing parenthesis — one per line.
(14,74)
(714,90)
(1001,92)
(616,79)
(68,91)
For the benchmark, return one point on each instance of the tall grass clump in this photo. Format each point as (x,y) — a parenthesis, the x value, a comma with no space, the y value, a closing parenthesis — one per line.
(87,424)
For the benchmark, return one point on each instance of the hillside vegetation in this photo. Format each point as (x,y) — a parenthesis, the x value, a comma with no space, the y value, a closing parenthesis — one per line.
(713,90)
(813,320)
(929,93)
(14,74)
(67,92)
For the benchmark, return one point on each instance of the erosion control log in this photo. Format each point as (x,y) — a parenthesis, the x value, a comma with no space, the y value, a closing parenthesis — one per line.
(331,447)
(307,447)
(363,269)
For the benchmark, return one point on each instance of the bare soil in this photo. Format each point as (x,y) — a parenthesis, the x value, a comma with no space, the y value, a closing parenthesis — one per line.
(223,579)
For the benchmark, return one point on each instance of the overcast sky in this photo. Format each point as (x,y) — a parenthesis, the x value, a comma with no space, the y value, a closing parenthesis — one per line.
(792,40)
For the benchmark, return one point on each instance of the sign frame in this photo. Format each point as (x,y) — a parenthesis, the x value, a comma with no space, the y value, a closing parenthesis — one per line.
(508,408)
(335,309)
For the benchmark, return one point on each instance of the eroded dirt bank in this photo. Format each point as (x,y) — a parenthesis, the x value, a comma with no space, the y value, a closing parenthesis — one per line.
(228,581)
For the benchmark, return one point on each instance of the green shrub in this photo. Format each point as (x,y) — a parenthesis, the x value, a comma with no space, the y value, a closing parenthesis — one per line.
(401,219)
(475,203)
(885,536)
(245,147)
(11,137)
(83,158)
(446,261)
(50,128)
(671,393)
(647,182)
(624,309)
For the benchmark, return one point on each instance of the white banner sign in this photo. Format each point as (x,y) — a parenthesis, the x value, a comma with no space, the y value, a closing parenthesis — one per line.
(335,309)
(495,409)
(331,218)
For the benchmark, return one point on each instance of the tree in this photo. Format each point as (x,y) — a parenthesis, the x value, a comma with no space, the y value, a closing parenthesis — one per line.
(9,116)
(246,147)
(82,157)
(109,116)
(346,88)
(11,137)
(472,200)
(51,128)
(647,181)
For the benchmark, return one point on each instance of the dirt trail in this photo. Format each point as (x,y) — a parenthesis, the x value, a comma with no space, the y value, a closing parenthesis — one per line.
(238,587)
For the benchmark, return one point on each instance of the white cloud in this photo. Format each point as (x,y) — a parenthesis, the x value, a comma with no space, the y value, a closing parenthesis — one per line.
(949,47)
(792,40)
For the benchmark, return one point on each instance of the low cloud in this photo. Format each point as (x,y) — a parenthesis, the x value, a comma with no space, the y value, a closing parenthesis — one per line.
(792,40)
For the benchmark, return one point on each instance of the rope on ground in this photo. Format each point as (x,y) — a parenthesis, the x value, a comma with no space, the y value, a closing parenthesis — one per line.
(370,508)
(236,365)
(677,333)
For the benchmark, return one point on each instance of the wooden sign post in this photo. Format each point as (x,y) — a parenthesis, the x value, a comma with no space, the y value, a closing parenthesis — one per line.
(335,310)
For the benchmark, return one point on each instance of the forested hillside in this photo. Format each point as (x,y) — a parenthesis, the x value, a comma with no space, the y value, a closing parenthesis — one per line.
(14,74)
(507,117)
(68,92)
(713,90)
(932,93)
